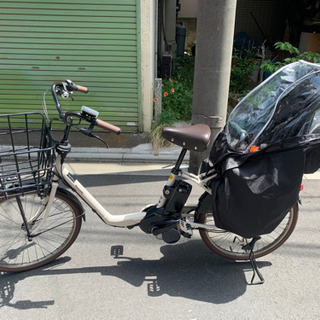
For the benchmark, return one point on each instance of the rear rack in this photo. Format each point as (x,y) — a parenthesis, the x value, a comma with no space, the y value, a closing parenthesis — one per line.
(26,155)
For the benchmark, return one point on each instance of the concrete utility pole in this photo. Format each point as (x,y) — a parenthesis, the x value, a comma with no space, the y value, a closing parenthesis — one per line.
(215,30)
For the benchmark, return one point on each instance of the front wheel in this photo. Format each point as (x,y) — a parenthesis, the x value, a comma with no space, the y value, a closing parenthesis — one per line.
(230,245)
(57,231)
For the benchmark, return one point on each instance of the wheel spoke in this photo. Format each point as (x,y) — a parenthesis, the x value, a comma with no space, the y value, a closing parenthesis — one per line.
(58,231)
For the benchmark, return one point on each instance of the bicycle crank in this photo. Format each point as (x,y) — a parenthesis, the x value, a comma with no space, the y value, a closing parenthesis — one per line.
(171,233)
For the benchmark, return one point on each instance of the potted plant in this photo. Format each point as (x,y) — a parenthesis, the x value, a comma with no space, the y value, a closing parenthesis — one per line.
(287,53)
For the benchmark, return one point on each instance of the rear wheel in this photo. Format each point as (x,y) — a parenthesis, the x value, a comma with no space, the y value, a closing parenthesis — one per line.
(57,231)
(229,245)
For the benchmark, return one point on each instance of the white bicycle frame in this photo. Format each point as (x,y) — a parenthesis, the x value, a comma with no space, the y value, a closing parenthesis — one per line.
(125,220)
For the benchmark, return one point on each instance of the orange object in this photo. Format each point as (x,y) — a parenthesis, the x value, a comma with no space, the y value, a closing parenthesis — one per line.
(254,149)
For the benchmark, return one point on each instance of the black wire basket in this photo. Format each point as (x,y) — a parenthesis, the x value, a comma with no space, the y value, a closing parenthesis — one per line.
(26,155)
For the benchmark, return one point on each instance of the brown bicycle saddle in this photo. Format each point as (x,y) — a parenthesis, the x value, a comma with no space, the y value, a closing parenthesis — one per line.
(195,137)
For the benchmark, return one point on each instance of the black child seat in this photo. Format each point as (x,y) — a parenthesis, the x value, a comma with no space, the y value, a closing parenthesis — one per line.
(271,139)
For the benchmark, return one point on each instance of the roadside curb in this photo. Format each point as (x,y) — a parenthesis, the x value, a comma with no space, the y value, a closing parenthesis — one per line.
(141,153)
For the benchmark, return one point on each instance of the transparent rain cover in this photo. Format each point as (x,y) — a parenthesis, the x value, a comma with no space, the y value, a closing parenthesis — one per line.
(287,104)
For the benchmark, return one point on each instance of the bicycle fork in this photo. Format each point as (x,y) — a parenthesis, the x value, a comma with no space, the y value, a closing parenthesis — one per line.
(44,210)
(25,222)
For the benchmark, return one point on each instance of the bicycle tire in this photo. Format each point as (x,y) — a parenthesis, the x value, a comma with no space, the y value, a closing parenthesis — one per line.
(229,245)
(59,230)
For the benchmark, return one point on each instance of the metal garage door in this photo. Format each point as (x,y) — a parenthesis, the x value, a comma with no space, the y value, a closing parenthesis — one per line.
(94,43)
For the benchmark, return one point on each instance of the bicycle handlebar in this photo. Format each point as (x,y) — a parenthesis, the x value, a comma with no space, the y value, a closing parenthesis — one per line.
(107,126)
(74,87)
(64,89)
(82,89)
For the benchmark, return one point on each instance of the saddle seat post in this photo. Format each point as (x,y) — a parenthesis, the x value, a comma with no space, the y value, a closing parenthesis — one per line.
(176,168)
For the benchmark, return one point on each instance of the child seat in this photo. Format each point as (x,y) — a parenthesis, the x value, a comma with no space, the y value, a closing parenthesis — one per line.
(270,140)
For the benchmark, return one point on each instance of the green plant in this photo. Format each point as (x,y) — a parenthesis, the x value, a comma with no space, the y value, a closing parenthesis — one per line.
(177,95)
(176,101)
(192,49)
(184,71)
(177,92)
(291,54)
(243,62)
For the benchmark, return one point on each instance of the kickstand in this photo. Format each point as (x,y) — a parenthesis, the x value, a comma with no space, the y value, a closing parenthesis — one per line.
(250,246)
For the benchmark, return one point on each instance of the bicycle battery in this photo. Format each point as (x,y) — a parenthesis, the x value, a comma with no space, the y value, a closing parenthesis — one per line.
(177,196)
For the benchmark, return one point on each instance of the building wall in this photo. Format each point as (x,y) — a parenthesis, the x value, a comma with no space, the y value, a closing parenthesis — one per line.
(189,9)
(269,19)
(188,17)
(261,19)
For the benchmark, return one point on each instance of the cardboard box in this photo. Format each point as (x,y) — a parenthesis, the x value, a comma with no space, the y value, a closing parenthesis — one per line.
(309,42)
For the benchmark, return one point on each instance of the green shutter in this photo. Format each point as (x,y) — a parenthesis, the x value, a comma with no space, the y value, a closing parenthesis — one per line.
(93,43)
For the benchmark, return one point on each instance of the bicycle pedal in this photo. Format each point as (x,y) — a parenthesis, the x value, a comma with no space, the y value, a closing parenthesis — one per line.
(154,289)
(116,251)
(185,229)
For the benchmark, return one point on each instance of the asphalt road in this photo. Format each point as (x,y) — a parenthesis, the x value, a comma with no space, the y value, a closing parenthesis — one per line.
(154,280)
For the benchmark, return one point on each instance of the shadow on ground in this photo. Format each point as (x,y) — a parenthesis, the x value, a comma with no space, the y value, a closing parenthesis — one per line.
(200,276)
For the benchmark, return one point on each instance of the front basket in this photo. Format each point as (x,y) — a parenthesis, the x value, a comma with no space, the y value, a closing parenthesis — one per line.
(26,155)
